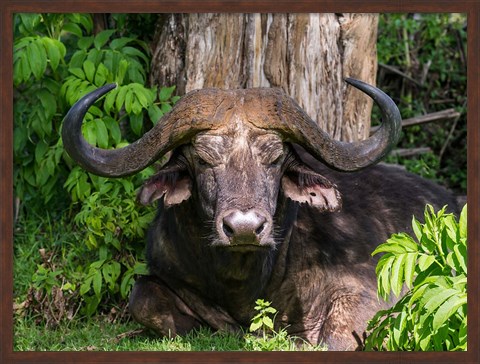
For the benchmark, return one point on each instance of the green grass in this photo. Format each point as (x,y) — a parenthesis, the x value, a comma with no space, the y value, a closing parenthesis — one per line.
(98,334)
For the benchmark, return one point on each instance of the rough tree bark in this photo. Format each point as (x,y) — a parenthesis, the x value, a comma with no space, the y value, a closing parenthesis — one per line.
(307,55)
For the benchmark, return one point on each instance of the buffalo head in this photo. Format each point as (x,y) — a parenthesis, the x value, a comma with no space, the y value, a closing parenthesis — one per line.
(233,153)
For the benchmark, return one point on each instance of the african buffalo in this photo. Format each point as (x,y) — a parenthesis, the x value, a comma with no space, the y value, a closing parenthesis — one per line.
(255,202)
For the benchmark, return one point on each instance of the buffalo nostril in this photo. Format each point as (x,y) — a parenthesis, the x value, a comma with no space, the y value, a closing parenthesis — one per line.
(260,229)
(228,230)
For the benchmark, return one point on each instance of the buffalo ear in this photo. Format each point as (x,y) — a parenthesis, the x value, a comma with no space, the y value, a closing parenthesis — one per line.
(169,183)
(303,185)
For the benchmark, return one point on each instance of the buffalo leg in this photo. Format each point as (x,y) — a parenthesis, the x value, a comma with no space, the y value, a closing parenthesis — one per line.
(155,306)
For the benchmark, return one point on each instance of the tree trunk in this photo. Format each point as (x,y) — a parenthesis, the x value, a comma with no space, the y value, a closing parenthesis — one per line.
(307,55)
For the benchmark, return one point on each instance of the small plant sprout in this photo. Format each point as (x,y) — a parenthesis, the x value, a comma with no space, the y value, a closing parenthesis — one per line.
(262,320)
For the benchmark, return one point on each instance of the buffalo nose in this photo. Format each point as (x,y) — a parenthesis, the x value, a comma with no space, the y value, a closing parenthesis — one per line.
(244,227)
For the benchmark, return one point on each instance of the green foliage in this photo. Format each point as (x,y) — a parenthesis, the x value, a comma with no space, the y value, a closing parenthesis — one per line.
(429,51)
(57,60)
(432,314)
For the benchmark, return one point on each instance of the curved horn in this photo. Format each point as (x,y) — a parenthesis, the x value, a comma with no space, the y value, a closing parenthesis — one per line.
(299,128)
(190,117)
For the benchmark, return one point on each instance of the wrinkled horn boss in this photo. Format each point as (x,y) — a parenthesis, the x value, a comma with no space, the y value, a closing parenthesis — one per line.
(205,109)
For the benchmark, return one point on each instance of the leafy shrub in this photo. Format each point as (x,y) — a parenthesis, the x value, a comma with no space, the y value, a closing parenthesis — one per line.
(429,53)
(57,60)
(432,315)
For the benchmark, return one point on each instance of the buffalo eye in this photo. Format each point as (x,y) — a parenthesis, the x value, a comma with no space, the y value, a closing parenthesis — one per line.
(277,161)
(202,162)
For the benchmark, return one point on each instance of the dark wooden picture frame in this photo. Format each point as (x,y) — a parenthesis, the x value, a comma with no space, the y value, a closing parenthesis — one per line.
(9,7)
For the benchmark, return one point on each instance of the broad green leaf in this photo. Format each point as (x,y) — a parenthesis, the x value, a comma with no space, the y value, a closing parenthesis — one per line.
(136,123)
(30,20)
(119,101)
(18,72)
(27,71)
(410,263)
(463,222)
(441,296)
(55,51)
(40,150)
(142,95)
(166,93)
(452,262)
(440,339)
(97,264)
(114,129)
(110,100)
(85,19)
(48,102)
(270,310)
(417,228)
(95,111)
(120,42)
(396,277)
(97,283)
(89,132)
(154,113)
(166,108)
(136,106)
(37,58)
(102,38)
(267,321)
(462,335)
(78,72)
(448,308)
(85,42)
(140,268)
(127,282)
(130,51)
(461,256)
(122,69)
(129,99)
(20,138)
(417,294)
(85,287)
(389,248)
(73,28)
(425,338)
(136,72)
(255,325)
(89,69)
(384,278)
(102,134)
(406,241)
(425,261)
(452,228)
(427,244)
(116,269)
(95,56)
(399,329)
(77,59)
